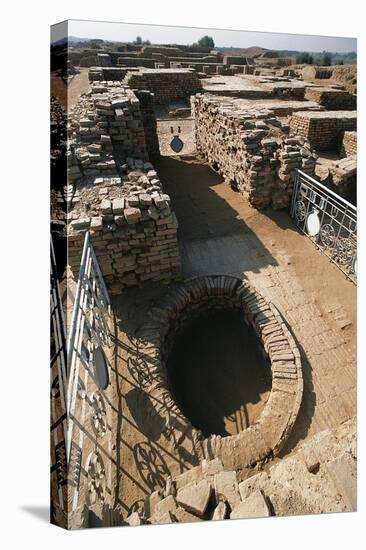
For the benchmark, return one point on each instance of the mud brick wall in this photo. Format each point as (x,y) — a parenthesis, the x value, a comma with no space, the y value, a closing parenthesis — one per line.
(349,144)
(146,100)
(312,71)
(323,129)
(166,84)
(132,227)
(136,62)
(234,60)
(107,73)
(104,59)
(247,146)
(331,99)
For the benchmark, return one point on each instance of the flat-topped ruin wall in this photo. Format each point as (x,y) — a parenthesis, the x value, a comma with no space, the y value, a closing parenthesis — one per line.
(166,84)
(331,98)
(323,130)
(245,143)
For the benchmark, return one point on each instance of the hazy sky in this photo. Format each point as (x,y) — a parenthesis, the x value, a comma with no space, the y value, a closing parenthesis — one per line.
(186,35)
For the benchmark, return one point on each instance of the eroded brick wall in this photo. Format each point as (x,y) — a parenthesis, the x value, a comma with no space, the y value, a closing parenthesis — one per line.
(323,130)
(247,145)
(166,84)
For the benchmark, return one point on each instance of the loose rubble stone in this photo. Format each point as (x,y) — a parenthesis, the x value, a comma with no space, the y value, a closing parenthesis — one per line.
(254,506)
(226,484)
(195,497)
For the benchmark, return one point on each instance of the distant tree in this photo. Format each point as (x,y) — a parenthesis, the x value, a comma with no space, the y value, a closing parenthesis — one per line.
(341,62)
(205,42)
(305,58)
(326,59)
(138,40)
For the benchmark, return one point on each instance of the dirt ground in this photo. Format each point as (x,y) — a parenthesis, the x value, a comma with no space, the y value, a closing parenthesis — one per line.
(69,93)
(219,232)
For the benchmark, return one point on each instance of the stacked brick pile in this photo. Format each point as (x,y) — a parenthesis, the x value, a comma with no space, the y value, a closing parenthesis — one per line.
(133,230)
(166,84)
(106,126)
(349,144)
(323,129)
(247,145)
(117,195)
(331,98)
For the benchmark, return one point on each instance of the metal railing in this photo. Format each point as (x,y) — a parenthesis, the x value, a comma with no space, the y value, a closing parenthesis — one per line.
(72,359)
(88,327)
(58,365)
(328,220)
(88,331)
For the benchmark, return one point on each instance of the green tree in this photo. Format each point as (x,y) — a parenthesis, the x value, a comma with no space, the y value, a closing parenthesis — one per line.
(326,59)
(305,58)
(206,42)
(138,40)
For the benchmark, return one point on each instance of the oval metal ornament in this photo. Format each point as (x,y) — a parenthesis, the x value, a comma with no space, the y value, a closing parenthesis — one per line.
(176,144)
(354,265)
(313,223)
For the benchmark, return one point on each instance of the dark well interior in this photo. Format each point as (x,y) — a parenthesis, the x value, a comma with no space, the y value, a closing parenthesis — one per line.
(218,373)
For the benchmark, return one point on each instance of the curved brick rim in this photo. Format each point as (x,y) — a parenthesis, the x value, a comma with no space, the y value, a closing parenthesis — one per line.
(267,436)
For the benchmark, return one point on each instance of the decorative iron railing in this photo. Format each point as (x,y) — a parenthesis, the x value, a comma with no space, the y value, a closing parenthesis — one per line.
(77,358)
(88,336)
(88,327)
(328,220)
(58,360)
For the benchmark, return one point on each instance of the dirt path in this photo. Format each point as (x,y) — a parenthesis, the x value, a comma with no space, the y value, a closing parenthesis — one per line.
(68,94)
(78,85)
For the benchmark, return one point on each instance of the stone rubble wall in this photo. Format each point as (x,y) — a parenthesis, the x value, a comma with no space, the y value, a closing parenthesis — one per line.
(332,99)
(248,147)
(166,84)
(322,475)
(323,130)
(349,144)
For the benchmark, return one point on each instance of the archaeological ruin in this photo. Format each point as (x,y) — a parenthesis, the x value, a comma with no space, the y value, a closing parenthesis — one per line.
(204,261)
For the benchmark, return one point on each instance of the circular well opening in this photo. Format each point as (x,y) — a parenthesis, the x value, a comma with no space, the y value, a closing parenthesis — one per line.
(217,371)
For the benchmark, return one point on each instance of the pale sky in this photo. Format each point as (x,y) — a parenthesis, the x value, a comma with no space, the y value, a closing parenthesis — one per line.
(127,32)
